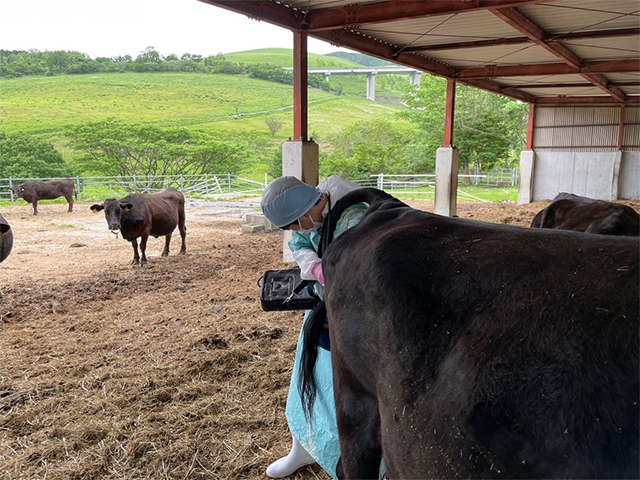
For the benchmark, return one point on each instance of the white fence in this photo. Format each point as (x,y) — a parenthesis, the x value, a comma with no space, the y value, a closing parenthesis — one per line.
(229,186)
(99,188)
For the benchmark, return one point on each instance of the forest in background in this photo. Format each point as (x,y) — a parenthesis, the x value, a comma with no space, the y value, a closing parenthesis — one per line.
(231,113)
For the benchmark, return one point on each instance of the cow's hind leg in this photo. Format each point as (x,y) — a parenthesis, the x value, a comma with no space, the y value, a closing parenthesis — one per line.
(167,241)
(136,255)
(70,202)
(35,207)
(358,427)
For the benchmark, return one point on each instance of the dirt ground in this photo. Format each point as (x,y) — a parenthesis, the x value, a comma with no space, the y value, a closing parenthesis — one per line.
(110,371)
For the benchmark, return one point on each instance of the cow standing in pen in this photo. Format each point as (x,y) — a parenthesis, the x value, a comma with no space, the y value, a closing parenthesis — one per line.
(463,349)
(33,191)
(581,214)
(141,216)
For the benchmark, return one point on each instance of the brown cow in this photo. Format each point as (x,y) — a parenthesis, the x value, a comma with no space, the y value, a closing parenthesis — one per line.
(6,239)
(33,191)
(140,216)
(581,214)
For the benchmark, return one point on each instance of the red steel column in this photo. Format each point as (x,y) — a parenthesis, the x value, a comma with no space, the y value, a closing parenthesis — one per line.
(532,112)
(621,126)
(448,112)
(300,64)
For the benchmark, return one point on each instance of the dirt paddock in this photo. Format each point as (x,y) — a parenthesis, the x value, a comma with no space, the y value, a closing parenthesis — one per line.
(109,371)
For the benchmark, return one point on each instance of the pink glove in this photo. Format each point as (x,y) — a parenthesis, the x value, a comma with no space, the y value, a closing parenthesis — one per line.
(317,272)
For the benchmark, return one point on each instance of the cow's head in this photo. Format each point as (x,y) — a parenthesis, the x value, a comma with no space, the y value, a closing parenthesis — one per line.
(17,191)
(112,211)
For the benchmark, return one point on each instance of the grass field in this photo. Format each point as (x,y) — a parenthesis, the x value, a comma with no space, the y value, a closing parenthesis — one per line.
(45,105)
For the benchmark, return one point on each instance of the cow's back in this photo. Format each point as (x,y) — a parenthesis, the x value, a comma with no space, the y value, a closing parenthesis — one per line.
(582,214)
(156,214)
(494,351)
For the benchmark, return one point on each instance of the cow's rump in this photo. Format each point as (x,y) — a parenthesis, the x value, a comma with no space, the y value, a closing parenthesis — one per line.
(581,214)
(6,238)
(481,350)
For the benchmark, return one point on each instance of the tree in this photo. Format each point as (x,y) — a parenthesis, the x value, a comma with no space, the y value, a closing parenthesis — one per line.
(488,128)
(274,124)
(26,156)
(367,148)
(118,149)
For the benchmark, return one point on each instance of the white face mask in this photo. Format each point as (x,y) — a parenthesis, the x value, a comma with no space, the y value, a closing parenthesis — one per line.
(314,227)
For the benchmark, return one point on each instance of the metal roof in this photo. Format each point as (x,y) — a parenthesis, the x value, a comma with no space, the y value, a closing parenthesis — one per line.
(537,51)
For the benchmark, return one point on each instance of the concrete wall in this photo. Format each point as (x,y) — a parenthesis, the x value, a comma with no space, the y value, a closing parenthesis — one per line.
(630,176)
(602,175)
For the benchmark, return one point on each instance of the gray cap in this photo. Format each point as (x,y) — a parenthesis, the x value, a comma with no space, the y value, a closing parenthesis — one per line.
(286,199)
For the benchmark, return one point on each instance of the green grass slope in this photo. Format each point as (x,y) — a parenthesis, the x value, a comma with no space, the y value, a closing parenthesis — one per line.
(283,57)
(45,105)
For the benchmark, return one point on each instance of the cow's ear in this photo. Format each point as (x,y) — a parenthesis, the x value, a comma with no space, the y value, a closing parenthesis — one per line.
(126,206)
(96,208)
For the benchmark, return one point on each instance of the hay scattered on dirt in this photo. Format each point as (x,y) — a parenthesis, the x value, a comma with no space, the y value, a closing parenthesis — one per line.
(109,371)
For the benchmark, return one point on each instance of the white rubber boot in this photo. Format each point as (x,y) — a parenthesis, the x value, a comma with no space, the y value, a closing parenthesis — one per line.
(285,466)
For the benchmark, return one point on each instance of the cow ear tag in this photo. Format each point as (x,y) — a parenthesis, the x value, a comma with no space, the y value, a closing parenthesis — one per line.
(94,210)
(126,209)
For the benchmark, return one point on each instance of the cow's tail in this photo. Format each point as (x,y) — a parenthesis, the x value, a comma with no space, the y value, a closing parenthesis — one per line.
(315,325)
(313,328)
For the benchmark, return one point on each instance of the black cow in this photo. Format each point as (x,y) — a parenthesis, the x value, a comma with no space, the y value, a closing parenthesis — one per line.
(6,239)
(33,191)
(463,349)
(581,214)
(140,216)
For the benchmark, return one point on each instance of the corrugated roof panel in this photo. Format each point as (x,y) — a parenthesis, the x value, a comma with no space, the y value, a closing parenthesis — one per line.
(441,29)
(604,48)
(498,55)
(568,91)
(580,15)
(546,79)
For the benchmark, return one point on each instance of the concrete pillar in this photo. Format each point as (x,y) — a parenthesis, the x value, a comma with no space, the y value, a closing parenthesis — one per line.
(527,171)
(414,78)
(300,160)
(371,86)
(326,76)
(446,195)
(615,181)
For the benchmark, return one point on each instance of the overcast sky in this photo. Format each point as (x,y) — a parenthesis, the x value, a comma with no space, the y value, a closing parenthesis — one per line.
(126,27)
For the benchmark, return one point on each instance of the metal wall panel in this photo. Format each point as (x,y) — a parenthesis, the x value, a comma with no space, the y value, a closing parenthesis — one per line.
(583,128)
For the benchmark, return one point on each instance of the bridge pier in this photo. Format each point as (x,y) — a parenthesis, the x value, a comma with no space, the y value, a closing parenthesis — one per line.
(371,86)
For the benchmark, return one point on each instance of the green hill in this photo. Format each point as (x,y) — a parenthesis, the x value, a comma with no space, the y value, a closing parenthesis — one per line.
(359,59)
(45,105)
(283,57)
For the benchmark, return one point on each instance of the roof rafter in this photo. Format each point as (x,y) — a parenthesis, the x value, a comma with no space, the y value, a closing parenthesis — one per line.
(604,66)
(538,36)
(350,15)
(572,100)
(623,32)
